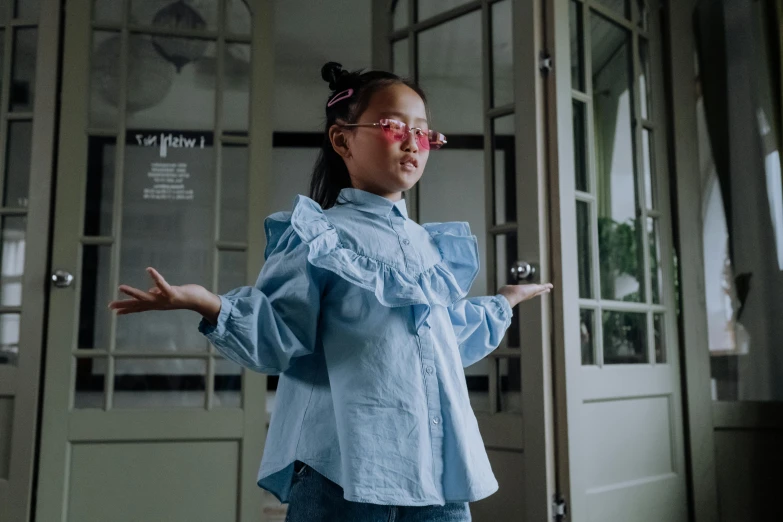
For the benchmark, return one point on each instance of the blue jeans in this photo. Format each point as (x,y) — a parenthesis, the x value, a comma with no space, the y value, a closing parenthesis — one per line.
(314,498)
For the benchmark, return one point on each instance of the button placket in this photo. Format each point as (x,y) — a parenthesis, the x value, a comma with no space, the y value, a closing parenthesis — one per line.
(432,391)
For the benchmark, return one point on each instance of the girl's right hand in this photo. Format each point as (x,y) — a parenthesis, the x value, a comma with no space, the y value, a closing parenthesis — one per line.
(164,296)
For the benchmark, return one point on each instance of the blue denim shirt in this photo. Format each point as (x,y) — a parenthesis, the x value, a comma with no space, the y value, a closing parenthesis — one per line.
(362,313)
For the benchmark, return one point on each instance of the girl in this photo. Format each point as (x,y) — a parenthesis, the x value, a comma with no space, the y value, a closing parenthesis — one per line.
(362,313)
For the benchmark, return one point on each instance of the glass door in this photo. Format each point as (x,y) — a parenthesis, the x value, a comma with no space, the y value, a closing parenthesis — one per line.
(159,126)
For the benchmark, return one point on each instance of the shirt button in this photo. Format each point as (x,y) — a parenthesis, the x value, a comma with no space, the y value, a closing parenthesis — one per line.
(436,420)
(430,369)
(406,242)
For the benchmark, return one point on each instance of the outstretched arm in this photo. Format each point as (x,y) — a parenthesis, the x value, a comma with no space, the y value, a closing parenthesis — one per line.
(480,322)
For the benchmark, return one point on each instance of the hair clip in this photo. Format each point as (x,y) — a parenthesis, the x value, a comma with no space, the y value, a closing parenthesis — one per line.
(340,96)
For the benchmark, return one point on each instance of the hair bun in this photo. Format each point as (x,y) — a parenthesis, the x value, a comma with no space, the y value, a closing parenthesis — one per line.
(333,73)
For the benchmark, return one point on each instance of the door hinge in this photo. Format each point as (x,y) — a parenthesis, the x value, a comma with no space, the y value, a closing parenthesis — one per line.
(559,508)
(545,62)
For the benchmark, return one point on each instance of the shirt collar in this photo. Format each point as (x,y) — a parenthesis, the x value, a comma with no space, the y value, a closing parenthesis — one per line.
(369,202)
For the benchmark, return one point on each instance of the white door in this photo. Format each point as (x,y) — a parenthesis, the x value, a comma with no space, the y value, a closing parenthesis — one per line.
(163,146)
(29,37)
(477,62)
(620,425)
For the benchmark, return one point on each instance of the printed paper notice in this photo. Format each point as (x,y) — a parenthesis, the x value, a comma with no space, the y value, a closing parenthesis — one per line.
(168,182)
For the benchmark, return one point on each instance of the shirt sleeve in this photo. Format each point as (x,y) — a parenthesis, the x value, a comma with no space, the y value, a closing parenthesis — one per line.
(264,327)
(479,325)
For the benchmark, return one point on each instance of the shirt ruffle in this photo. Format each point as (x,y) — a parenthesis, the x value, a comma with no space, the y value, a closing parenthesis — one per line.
(442,284)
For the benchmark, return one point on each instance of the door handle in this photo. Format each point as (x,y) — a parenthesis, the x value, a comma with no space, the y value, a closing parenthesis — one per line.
(523,271)
(62,278)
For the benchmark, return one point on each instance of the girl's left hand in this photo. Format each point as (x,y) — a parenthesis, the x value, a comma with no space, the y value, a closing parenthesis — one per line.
(518,293)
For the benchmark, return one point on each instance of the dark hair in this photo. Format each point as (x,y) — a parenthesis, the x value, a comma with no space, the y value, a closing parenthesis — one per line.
(330,174)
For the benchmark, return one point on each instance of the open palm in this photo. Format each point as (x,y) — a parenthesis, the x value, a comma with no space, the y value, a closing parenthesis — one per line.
(162,296)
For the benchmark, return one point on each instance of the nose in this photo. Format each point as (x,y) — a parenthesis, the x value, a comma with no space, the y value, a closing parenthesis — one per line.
(410,144)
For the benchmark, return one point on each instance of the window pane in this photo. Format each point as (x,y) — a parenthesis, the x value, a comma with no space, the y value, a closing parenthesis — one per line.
(584,249)
(13,250)
(23,74)
(502,54)
(644,78)
(162,91)
(625,337)
(238,16)
(9,339)
(616,189)
(452,84)
(504,172)
(644,13)
(168,209)
(620,7)
(104,79)
(648,169)
(580,146)
(99,200)
(477,380)
(232,271)
(89,382)
(236,88)
(400,51)
(17,174)
(107,11)
(233,221)
(156,383)
(659,332)
(577,46)
(509,384)
(400,13)
(656,276)
(587,339)
(428,8)
(228,384)
(96,292)
(200,15)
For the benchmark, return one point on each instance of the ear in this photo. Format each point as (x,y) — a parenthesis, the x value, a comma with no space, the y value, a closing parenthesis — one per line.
(339,139)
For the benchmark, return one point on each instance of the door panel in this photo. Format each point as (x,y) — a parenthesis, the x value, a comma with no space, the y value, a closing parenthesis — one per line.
(29,33)
(620,438)
(160,166)
(477,62)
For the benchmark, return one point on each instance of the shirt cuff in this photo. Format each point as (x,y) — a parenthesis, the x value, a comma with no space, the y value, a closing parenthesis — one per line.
(218,330)
(506,311)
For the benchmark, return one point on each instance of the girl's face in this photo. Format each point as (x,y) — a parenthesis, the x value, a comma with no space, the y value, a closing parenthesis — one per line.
(375,162)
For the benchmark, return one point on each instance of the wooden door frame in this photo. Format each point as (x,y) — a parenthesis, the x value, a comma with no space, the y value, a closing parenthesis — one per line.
(700,454)
(22,382)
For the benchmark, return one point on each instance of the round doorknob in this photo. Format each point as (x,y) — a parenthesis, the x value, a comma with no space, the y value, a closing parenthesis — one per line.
(523,271)
(62,279)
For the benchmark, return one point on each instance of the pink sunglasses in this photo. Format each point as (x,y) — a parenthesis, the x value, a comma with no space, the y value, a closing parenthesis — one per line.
(397,131)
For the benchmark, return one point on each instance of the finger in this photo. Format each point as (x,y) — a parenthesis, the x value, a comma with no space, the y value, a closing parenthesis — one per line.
(154,290)
(159,281)
(135,292)
(134,307)
(124,304)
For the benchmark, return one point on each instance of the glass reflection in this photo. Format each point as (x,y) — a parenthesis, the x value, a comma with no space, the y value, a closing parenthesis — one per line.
(618,228)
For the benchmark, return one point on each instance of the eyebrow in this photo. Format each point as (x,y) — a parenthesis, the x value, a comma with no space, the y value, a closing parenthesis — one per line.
(395,113)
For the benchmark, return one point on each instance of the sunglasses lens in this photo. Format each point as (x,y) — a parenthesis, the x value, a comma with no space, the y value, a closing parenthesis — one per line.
(394,130)
(435,140)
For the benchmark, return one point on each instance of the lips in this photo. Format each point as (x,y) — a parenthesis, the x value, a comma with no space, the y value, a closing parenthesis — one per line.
(411,160)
